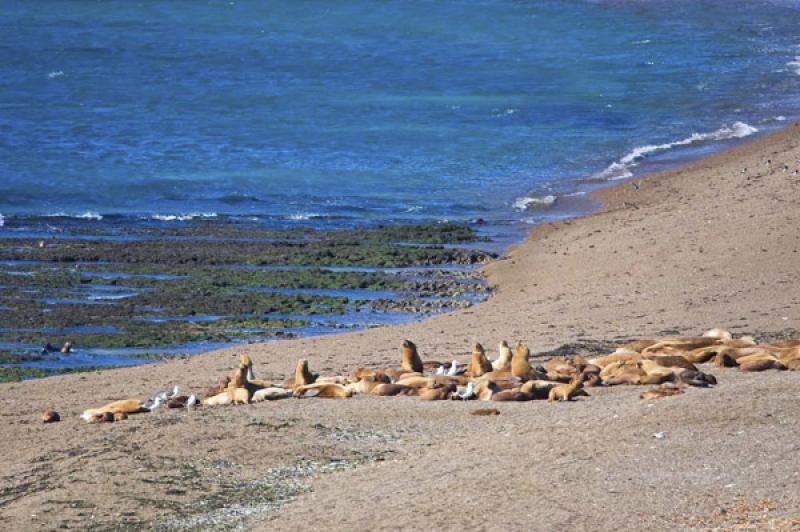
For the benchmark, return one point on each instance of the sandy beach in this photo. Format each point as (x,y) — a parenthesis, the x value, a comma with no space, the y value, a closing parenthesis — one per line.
(712,244)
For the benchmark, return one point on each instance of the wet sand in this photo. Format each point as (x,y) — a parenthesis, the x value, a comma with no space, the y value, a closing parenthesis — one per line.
(707,245)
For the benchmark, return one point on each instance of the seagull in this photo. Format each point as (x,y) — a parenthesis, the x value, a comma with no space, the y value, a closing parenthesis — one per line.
(785,167)
(744,170)
(440,371)
(192,401)
(637,185)
(455,369)
(163,395)
(468,393)
(153,405)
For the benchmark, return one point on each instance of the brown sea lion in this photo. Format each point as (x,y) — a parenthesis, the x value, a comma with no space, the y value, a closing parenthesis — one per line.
(411,360)
(485,412)
(660,392)
(302,375)
(566,392)
(512,395)
(479,363)
(440,393)
(50,416)
(520,367)
(389,389)
(538,389)
(221,386)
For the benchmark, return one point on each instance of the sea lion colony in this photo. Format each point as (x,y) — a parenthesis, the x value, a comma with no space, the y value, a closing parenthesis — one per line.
(671,364)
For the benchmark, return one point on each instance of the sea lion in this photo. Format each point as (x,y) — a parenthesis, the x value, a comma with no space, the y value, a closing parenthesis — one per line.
(485,412)
(660,392)
(566,392)
(270,394)
(411,360)
(302,375)
(416,381)
(761,364)
(613,358)
(512,395)
(222,398)
(178,402)
(221,386)
(389,389)
(327,391)
(538,389)
(50,416)
(503,360)
(520,367)
(439,393)
(129,406)
(479,364)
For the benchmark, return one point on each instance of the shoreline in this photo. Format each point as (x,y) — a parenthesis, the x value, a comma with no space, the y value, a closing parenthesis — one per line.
(705,245)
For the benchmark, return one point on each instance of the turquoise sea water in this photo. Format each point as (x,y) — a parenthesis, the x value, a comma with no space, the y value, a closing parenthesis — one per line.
(351,111)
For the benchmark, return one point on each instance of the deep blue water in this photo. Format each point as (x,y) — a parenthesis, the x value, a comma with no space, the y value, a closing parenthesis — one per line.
(356,110)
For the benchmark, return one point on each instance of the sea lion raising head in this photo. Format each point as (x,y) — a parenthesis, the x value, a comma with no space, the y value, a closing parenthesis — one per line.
(411,360)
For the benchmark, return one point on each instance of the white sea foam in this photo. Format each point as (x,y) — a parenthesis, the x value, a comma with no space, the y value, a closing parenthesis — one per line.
(182,217)
(795,65)
(55,74)
(88,215)
(2,220)
(302,216)
(526,202)
(622,169)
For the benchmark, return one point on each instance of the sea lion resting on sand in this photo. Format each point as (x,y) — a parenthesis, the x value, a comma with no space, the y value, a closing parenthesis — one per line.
(127,406)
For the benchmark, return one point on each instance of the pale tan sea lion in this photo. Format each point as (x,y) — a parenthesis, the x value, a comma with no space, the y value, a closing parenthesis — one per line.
(503,360)
(270,394)
(129,406)
(327,391)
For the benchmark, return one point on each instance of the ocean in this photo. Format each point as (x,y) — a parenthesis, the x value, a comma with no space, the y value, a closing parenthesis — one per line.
(337,114)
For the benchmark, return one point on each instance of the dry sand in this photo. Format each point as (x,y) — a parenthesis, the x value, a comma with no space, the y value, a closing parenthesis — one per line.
(703,246)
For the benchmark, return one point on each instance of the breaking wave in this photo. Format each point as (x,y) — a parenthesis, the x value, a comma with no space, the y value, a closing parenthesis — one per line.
(622,169)
(528,202)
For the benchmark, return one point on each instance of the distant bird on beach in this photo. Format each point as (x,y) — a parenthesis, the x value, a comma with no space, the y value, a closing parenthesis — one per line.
(744,171)
(637,185)
(785,167)
(153,405)
(192,402)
